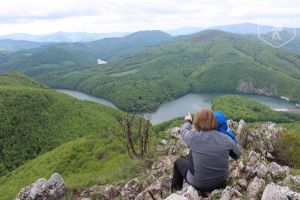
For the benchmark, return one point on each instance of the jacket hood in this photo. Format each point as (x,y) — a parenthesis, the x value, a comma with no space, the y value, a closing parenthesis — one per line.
(221,121)
(222,125)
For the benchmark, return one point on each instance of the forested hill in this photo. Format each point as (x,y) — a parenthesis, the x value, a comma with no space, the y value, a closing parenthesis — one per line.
(208,61)
(35,120)
(146,69)
(42,132)
(18,80)
(13,45)
(68,57)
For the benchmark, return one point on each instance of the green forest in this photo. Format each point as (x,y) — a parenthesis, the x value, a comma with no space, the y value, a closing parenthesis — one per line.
(83,162)
(237,107)
(43,131)
(142,77)
(35,120)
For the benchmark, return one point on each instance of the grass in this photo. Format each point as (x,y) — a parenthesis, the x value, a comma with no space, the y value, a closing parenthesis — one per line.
(289,145)
(124,73)
(78,163)
(237,107)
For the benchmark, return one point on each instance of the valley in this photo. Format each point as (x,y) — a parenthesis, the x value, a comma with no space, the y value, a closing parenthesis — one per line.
(81,129)
(142,74)
(169,110)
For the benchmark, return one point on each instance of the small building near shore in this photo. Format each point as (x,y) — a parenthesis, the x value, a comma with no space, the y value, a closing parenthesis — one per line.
(285,98)
(101,62)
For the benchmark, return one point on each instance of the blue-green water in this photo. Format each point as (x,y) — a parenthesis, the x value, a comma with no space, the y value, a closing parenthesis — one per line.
(190,103)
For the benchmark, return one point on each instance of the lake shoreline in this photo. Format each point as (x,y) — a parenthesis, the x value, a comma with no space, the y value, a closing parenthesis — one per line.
(169,110)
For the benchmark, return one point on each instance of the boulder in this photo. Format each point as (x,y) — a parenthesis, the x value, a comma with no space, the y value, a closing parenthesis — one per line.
(241,126)
(162,166)
(273,191)
(164,142)
(131,189)
(269,134)
(293,179)
(254,157)
(278,171)
(231,192)
(190,193)
(43,189)
(232,124)
(187,192)
(261,139)
(157,190)
(216,194)
(106,192)
(256,167)
(112,191)
(261,170)
(242,183)
(255,188)
(175,196)
(178,145)
(174,132)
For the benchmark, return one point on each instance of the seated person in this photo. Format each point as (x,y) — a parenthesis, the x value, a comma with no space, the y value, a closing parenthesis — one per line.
(207,165)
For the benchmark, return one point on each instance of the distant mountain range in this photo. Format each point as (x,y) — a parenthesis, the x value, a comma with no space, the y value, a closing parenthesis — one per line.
(13,45)
(242,28)
(63,36)
(43,131)
(69,56)
(18,41)
(148,68)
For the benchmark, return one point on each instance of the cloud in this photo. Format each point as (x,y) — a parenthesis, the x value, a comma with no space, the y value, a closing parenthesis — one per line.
(44,16)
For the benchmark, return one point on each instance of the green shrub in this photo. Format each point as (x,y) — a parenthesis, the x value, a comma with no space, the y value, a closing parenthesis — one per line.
(237,107)
(287,149)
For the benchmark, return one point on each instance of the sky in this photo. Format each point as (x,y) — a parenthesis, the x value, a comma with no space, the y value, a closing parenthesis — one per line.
(105,16)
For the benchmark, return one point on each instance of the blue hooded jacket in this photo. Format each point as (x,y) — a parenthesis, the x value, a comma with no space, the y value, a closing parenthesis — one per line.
(222,125)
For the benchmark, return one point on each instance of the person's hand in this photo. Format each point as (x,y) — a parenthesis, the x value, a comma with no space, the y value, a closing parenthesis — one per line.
(189,117)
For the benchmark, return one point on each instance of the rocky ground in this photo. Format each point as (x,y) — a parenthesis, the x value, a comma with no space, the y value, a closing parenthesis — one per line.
(254,176)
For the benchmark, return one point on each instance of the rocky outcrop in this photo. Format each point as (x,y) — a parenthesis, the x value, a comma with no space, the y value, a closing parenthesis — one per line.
(251,177)
(255,188)
(273,191)
(292,179)
(132,188)
(277,171)
(256,166)
(162,166)
(158,190)
(231,192)
(261,139)
(43,189)
(247,86)
(175,196)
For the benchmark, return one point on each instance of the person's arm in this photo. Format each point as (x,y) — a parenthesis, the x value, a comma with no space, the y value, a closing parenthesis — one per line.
(231,135)
(185,130)
(235,151)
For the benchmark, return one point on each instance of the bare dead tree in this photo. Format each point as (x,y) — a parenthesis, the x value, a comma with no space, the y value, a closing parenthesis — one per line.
(136,129)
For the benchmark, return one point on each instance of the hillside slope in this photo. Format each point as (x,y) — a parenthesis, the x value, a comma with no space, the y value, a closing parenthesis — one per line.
(13,45)
(35,120)
(210,61)
(95,160)
(83,162)
(67,57)
(256,175)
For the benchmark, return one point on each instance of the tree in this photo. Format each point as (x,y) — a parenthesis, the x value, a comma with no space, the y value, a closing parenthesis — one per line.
(136,129)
